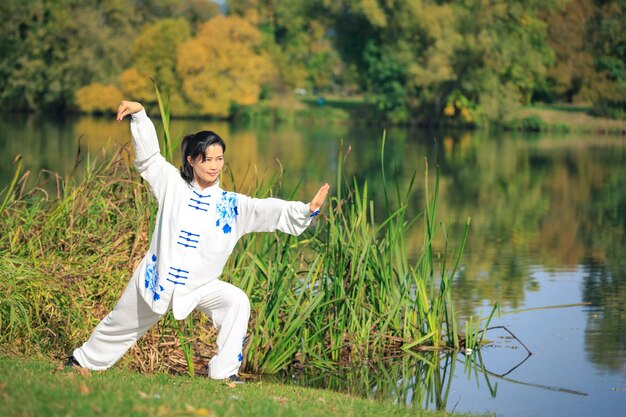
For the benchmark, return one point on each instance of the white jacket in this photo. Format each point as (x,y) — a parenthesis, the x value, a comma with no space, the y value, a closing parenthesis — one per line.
(196,229)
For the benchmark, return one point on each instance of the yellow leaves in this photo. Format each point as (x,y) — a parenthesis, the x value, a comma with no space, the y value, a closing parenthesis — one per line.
(84,389)
(98,98)
(460,106)
(155,47)
(136,85)
(434,65)
(373,12)
(222,65)
(200,412)
(466,115)
(192,57)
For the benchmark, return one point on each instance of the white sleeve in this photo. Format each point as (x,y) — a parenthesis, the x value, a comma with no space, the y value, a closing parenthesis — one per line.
(270,214)
(148,159)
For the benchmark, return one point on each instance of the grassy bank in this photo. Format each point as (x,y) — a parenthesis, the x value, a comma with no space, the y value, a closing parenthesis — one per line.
(38,388)
(298,109)
(536,118)
(564,118)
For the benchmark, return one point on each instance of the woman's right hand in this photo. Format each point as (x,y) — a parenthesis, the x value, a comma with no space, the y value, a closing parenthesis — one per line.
(126,108)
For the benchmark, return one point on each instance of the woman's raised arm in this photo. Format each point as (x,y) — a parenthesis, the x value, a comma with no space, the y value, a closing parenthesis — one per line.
(126,108)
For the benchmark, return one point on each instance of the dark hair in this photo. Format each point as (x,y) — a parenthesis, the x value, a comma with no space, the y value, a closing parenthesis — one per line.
(194,145)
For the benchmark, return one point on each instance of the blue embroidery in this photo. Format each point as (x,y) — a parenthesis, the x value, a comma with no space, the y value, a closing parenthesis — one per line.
(226,210)
(152,279)
(240,356)
(197,207)
(198,203)
(178,273)
(189,239)
(200,195)
(315,213)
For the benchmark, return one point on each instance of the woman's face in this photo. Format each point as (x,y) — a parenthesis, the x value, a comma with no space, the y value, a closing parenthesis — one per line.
(207,171)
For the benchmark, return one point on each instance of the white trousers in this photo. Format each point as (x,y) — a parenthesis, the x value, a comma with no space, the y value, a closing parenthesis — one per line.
(227,305)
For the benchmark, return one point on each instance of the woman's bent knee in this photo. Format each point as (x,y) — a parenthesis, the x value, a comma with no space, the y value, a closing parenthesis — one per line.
(242,301)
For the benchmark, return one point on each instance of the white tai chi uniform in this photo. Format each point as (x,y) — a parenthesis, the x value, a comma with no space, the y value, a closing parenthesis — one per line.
(196,230)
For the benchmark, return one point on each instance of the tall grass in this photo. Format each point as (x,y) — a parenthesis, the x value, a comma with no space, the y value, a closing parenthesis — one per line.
(345,292)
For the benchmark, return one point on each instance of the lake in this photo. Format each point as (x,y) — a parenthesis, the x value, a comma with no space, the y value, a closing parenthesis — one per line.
(547,242)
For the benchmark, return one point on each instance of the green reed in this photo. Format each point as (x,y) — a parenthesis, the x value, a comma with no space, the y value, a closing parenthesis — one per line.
(343,292)
(347,291)
(63,256)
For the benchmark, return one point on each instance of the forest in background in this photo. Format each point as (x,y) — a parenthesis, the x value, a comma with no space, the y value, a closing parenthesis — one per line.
(468,62)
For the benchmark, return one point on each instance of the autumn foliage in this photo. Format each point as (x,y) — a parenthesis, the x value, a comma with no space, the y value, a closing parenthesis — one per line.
(414,61)
(223,66)
(204,75)
(98,98)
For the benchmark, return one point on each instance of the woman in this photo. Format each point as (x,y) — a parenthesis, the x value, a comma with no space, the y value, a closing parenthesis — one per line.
(197,227)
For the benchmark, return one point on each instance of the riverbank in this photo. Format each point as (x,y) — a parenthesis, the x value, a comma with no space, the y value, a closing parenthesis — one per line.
(40,387)
(566,118)
(563,118)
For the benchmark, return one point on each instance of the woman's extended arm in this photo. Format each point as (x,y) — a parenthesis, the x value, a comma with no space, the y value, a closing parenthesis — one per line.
(269,214)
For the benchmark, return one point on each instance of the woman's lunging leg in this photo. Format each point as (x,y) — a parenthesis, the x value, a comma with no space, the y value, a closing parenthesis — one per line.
(117,332)
(229,308)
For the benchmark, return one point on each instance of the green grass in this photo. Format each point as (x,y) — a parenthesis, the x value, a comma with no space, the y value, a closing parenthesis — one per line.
(563,119)
(36,387)
(570,108)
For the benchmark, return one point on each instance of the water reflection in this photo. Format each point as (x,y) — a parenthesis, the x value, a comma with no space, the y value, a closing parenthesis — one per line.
(426,380)
(605,334)
(548,227)
(421,380)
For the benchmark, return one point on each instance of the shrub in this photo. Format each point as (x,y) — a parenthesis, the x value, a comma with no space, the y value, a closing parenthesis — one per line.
(98,98)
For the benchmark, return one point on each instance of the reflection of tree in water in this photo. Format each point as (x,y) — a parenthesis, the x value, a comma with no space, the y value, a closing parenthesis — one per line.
(530,206)
(493,182)
(605,284)
(605,336)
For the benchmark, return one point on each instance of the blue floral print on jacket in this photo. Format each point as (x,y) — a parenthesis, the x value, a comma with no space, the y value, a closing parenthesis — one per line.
(152,278)
(226,211)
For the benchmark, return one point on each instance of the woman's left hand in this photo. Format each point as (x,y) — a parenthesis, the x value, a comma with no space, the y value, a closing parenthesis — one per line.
(319,198)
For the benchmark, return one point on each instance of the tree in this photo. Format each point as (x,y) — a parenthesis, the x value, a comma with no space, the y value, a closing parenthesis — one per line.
(401,50)
(295,36)
(573,65)
(98,98)
(504,55)
(222,66)
(607,41)
(51,48)
(154,56)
